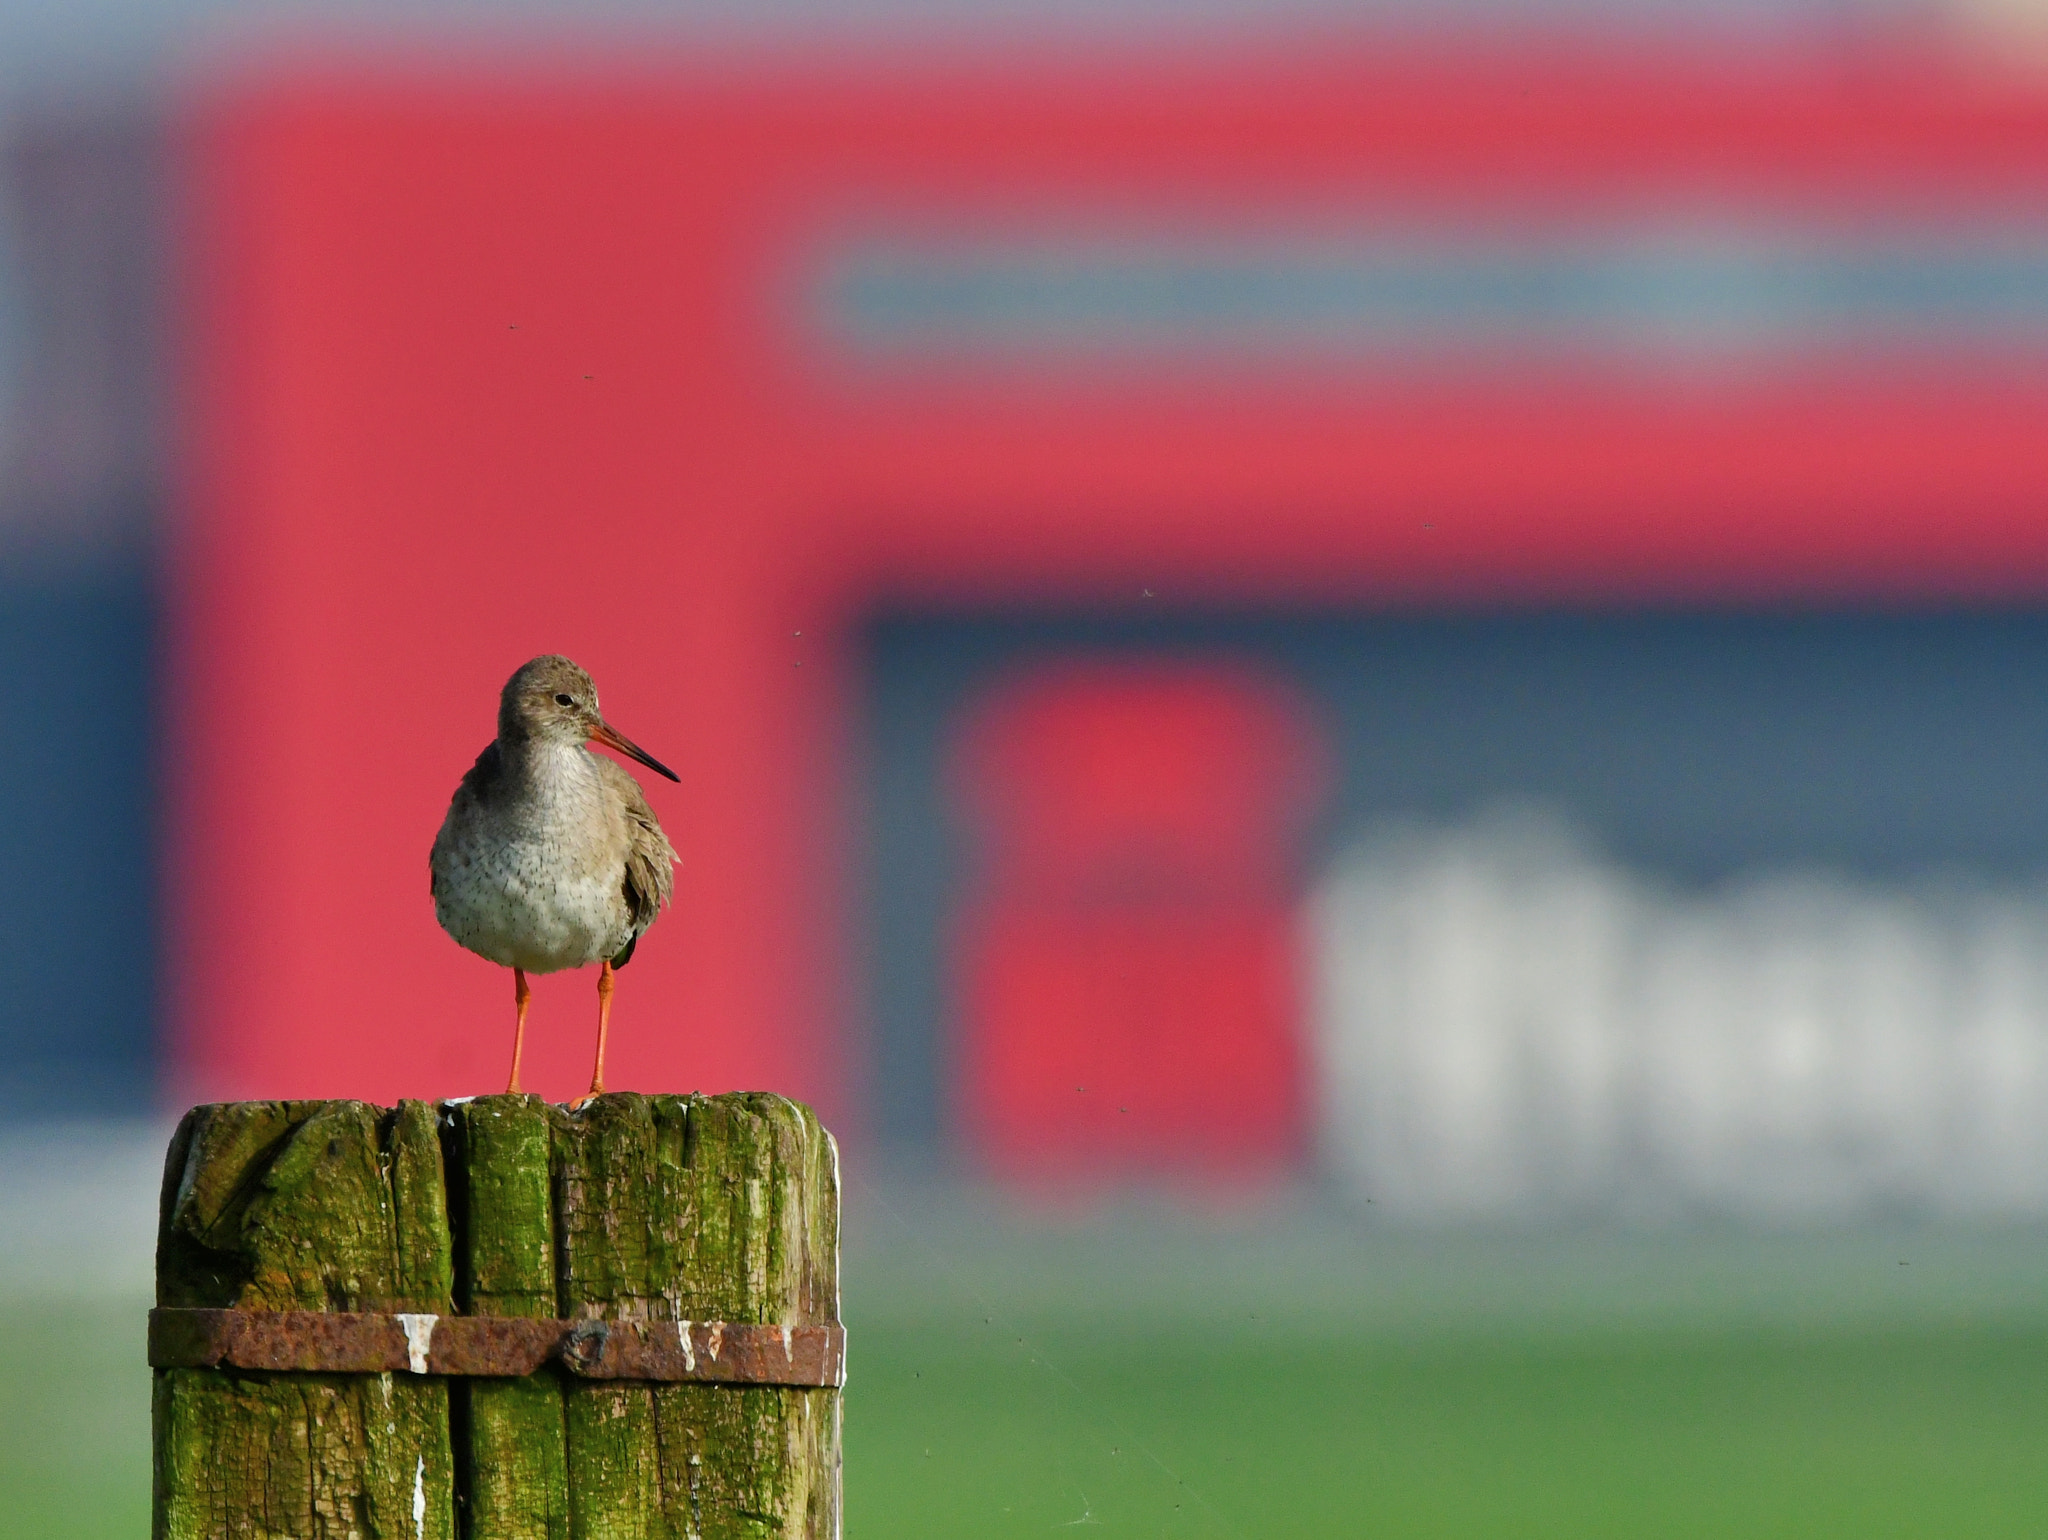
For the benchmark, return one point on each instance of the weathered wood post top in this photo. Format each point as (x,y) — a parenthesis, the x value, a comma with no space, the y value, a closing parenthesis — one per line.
(499,1319)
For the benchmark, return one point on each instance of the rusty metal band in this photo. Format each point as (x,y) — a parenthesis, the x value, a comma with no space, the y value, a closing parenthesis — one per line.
(337,1342)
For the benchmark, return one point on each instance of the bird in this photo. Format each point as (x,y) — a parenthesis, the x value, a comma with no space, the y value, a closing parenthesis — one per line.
(550,857)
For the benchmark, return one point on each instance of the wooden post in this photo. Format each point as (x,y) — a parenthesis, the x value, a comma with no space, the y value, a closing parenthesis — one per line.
(636,1209)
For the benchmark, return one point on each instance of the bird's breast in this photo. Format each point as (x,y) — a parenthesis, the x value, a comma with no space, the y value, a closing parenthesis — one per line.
(537,881)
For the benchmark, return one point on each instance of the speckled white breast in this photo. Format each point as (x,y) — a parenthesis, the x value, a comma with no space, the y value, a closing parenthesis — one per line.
(540,883)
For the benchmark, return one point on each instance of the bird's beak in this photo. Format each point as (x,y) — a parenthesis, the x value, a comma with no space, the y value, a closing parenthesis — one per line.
(612,738)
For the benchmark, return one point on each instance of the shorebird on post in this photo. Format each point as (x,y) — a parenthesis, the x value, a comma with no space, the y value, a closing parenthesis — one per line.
(550,857)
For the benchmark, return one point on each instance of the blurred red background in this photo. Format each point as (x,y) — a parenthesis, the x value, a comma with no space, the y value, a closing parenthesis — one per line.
(486,364)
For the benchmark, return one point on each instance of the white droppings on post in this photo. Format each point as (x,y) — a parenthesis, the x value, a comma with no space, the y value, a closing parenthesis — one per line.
(419,1340)
(786,1352)
(689,1347)
(419,1499)
(715,1339)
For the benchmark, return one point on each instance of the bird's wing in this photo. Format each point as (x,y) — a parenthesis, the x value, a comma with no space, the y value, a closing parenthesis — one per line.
(650,859)
(478,782)
(481,778)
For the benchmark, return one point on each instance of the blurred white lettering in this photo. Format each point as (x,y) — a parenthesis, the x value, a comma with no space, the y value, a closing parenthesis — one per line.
(1509,1025)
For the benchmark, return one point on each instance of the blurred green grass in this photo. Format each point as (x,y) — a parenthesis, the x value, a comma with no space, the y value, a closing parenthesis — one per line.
(74,1417)
(1272,1432)
(1281,1427)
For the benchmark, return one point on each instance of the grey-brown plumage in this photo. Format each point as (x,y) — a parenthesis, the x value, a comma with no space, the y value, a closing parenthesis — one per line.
(550,857)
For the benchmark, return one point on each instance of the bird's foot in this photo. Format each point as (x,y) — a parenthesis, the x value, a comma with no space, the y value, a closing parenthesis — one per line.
(586,1098)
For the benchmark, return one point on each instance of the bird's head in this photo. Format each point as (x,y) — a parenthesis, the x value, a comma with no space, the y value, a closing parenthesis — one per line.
(552,700)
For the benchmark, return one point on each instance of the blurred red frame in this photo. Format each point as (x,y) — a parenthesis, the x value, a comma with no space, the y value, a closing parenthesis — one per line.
(487,361)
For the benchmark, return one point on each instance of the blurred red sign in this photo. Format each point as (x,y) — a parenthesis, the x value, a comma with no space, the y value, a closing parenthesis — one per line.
(1128,966)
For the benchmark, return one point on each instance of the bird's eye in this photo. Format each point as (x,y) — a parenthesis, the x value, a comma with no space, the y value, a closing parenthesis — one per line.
(565,700)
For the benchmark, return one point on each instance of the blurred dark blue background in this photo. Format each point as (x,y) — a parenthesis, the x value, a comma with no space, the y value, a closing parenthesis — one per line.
(81,510)
(1694,746)
(78,890)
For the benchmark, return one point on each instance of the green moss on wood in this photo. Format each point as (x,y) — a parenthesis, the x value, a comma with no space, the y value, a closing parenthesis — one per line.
(699,1208)
(419,1207)
(499,1185)
(514,1453)
(514,1446)
(301,1457)
(216,1159)
(302,1205)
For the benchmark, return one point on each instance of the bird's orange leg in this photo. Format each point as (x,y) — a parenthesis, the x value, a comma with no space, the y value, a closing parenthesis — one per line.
(520,994)
(604,1021)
